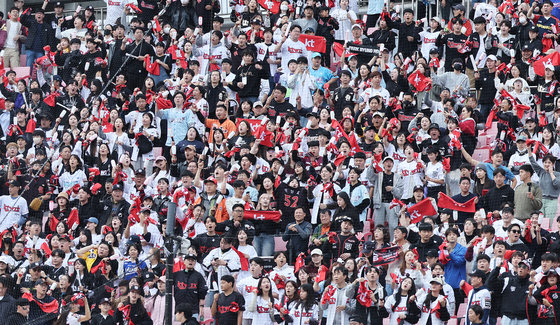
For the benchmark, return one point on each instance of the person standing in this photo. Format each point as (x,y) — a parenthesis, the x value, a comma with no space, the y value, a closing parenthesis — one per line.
(39,34)
(229,305)
(14,36)
(14,208)
(137,50)
(528,195)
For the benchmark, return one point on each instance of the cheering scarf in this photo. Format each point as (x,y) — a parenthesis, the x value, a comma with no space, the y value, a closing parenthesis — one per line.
(396,203)
(73,219)
(321,274)
(262,215)
(549,292)
(11,230)
(339,132)
(151,67)
(364,295)
(53,223)
(120,176)
(46,249)
(385,255)
(300,261)
(444,253)
(125,309)
(280,284)
(51,99)
(134,8)
(446,202)
(420,210)
(520,109)
(46,307)
(244,260)
(329,293)
(178,264)
(100,265)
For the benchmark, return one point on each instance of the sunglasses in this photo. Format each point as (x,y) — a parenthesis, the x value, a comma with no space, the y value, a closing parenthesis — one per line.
(515,231)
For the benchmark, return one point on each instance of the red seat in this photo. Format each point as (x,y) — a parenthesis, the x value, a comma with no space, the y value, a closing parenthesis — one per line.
(279,244)
(22,72)
(482,154)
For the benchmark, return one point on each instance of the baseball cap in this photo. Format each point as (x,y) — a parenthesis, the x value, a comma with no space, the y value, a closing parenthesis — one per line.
(104,301)
(59,5)
(140,171)
(190,256)
(160,158)
(434,50)
(64,237)
(258,103)
(191,147)
(148,276)
(211,179)
(418,188)
(533,29)
(437,280)
(478,273)
(525,263)
(256,22)
(549,66)
(388,158)
(89,8)
(315,55)
(492,57)
(4,259)
(14,182)
(369,247)
(459,7)
(93,219)
(135,288)
(312,114)
(377,113)
(522,137)
(316,251)
(356,26)
(117,187)
(446,211)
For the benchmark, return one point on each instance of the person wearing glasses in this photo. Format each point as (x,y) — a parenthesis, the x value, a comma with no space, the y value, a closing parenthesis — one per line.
(514,241)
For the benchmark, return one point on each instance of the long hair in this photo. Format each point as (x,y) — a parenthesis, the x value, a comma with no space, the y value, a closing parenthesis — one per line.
(260,292)
(63,317)
(397,294)
(430,298)
(310,301)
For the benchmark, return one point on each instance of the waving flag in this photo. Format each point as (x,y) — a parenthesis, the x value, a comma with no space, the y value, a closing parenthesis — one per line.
(553,59)
(420,210)
(47,307)
(385,255)
(448,203)
(272,6)
(314,43)
(420,81)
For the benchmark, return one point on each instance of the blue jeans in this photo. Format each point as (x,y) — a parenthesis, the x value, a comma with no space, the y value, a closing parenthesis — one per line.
(264,244)
(32,56)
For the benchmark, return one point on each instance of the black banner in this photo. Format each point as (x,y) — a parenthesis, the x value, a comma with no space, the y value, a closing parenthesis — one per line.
(385,256)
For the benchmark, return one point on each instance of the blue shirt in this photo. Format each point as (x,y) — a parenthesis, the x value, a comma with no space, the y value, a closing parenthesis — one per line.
(490,168)
(321,76)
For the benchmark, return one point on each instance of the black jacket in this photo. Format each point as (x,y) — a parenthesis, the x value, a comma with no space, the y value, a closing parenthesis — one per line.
(44,31)
(180,17)
(190,287)
(111,209)
(7,306)
(137,315)
(424,248)
(513,292)
(98,319)
(485,83)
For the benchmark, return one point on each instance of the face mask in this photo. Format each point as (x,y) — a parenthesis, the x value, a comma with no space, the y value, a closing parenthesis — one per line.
(457,66)
(107,32)
(283,7)
(522,20)
(407,104)
(184,2)
(166,30)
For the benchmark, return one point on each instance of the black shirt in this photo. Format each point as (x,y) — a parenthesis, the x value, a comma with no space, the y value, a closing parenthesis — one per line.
(387,197)
(228,307)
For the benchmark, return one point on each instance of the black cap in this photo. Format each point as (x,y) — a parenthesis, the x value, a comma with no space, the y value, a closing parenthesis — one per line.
(446,211)
(34,265)
(312,114)
(432,253)
(434,50)
(533,28)
(191,257)
(369,246)
(104,301)
(64,237)
(40,10)
(135,288)
(89,8)
(433,126)
(478,273)
(14,182)
(149,276)
(41,282)
(22,302)
(418,188)
(140,171)
(117,187)
(59,5)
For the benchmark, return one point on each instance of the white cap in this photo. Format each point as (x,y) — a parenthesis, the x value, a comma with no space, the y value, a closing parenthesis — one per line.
(356,26)
(316,251)
(492,57)
(549,66)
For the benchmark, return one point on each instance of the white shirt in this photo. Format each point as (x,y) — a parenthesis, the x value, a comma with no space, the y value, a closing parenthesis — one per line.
(292,50)
(12,208)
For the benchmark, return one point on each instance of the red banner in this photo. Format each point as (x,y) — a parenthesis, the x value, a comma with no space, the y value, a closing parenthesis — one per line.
(420,210)
(385,255)
(448,203)
(272,6)
(420,81)
(314,43)
(262,215)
